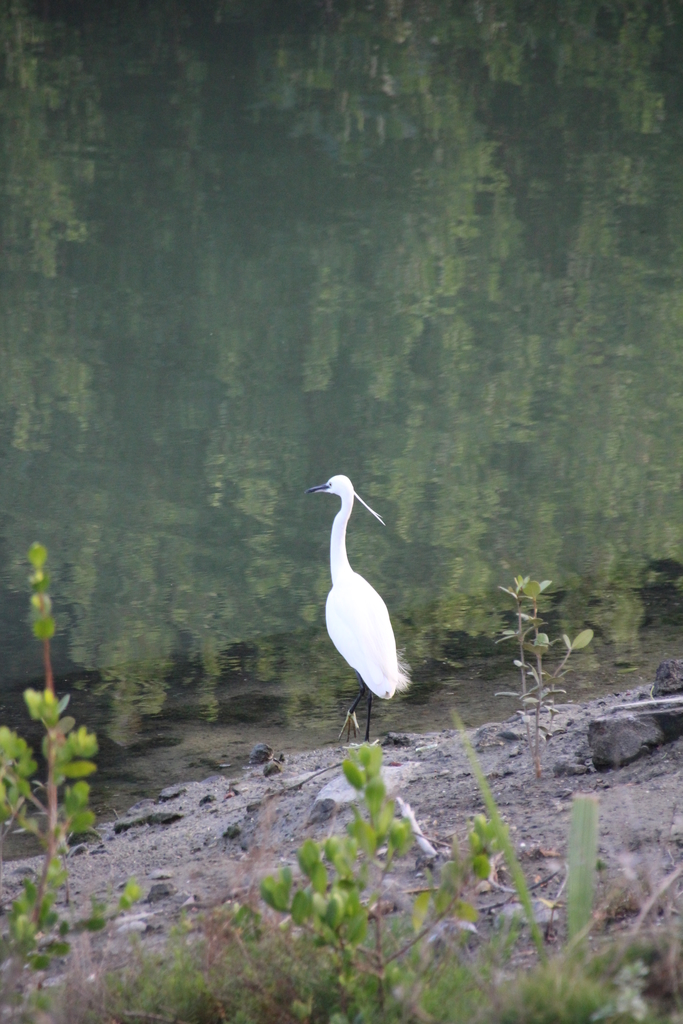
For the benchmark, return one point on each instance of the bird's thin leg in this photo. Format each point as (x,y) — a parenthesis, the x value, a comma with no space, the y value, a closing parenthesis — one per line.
(367,728)
(351,722)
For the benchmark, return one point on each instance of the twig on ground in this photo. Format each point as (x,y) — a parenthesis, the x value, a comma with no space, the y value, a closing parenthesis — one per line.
(407,812)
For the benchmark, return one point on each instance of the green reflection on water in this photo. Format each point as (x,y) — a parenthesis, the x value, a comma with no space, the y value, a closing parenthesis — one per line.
(435,247)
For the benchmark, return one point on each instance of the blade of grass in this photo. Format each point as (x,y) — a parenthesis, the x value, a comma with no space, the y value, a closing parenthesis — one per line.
(583,850)
(503,838)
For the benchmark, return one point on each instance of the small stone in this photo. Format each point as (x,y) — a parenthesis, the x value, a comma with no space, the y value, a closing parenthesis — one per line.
(90,835)
(134,923)
(160,873)
(510,735)
(232,832)
(172,792)
(147,816)
(208,799)
(322,810)
(396,739)
(566,767)
(77,850)
(260,754)
(212,778)
(668,678)
(272,768)
(160,891)
(620,740)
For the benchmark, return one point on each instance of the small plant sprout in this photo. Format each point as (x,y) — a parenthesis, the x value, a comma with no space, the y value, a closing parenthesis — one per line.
(537,686)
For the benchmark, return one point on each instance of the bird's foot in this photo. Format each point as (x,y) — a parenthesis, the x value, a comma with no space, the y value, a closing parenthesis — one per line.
(350,723)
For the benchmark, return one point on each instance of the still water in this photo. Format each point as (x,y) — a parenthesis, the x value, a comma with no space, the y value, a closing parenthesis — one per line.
(435,246)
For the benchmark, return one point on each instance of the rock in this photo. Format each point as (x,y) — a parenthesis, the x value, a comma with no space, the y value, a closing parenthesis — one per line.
(134,923)
(208,799)
(396,739)
(542,913)
(322,810)
(160,873)
(668,678)
(232,832)
(260,754)
(565,767)
(160,891)
(620,740)
(212,778)
(90,835)
(77,850)
(146,816)
(510,735)
(172,792)
(272,768)
(338,792)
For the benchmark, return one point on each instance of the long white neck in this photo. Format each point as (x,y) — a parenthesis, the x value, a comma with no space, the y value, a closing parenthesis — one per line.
(339,560)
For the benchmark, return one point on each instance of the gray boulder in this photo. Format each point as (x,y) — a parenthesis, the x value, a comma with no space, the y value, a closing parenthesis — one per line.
(669,678)
(620,740)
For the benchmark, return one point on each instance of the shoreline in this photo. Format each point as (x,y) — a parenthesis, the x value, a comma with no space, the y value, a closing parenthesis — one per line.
(200,844)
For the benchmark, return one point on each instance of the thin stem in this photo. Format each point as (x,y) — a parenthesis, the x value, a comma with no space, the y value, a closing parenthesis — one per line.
(539,669)
(522,668)
(49,680)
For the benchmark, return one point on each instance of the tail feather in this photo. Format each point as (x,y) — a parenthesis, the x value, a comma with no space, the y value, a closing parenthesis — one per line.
(403,681)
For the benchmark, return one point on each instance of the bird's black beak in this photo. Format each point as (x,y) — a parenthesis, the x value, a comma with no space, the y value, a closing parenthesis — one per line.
(319,487)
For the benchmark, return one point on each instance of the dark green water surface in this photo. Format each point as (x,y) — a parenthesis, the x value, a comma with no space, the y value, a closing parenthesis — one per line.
(244,246)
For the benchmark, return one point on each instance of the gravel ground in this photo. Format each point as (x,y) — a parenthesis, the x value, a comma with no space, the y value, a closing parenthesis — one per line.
(203,843)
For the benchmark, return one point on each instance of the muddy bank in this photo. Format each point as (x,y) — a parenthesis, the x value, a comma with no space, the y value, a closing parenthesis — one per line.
(201,843)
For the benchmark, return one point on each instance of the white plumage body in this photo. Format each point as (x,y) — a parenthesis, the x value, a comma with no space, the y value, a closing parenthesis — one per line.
(357,617)
(359,627)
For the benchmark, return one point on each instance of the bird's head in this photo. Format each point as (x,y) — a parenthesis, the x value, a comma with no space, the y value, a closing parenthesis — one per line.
(343,488)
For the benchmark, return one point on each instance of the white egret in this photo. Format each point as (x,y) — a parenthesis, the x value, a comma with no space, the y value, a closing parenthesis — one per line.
(357,617)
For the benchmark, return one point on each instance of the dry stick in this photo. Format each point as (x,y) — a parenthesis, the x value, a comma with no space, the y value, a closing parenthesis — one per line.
(659,891)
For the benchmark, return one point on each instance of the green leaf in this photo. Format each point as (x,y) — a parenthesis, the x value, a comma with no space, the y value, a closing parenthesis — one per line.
(465,911)
(64,703)
(302,907)
(44,629)
(357,927)
(545,584)
(365,834)
(374,795)
(420,908)
(353,774)
(542,640)
(308,856)
(78,769)
(318,878)
(66,724)
(130,895)
(567,642)
(275,891)
(582,640)
(532,589)
(37,554)
(481,866)
(371,759)
(81,822)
